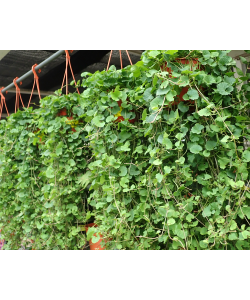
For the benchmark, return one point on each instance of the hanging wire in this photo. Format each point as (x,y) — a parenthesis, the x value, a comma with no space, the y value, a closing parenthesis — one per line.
(66,72)
(36,81)
(3,102)
(120,52)
(18,95)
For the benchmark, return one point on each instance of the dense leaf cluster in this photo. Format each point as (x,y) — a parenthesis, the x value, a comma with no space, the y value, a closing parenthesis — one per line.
(153,171)
(42,201)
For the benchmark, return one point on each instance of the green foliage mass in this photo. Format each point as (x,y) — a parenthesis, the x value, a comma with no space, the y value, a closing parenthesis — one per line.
(170,175)
(41,162)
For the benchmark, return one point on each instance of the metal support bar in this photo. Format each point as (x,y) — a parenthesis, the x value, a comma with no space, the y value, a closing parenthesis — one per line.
(42,64)
(28,92)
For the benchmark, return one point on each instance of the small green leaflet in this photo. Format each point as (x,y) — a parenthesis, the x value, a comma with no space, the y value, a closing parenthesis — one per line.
(170,96)
(125,147)
(159,177)
(50,172)
(246,156)
(209,79)
(167,169)
(193,94)
(134,170)
(182,107)
(210,145)
(171,221)
(204,112)
(157,162)
(207,211)
(144,114)
(84,180)
(123,171)
(197,128)
(195,148)
(224,88)
(97,121)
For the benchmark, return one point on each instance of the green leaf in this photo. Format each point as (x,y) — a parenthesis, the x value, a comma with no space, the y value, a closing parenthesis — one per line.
(124,181)
(245,234)
(197,128)
(125,147)
(160,92)
(229,80)
(223,162)
(138,149)
(246,211)
(204,112)
(50,173)
(157,162)
(184,80)
(193,94)
(97,121)
(170,96)
(209,79)
(195,148)
(85,179)
(167,143)
(167,169)
(171,52)
(233,225)
(225,139)
(116,95)
(182,107)
(95,238)
(124,135)
(134,170)
(123,171)
(239,71)
(210,145)
(224,88)
(170,221)
(215,128)
(246,156)
(58,151)
(144,114)
(151,118)
(159,177)
(72,162)
(207,211)
(156,103)
(233,236)
(164,84)
(153,53)
(147,96)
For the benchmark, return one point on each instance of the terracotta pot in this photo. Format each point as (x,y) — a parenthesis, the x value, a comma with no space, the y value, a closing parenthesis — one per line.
(94,246)
(62,112)
(185,89)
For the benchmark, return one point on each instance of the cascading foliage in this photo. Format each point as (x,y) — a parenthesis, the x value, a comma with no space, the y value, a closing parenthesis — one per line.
(167,175)
(42,201)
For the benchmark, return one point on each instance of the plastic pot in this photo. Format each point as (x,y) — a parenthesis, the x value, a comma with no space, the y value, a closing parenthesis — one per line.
(94,246)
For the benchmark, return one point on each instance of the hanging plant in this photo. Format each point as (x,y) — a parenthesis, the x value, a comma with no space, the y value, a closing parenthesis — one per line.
(176,179)
(42,199)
